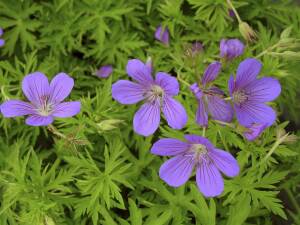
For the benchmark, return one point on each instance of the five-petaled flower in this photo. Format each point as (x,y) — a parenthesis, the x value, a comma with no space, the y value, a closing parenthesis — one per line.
(250,94)
(162,34)
(45,100)
(231,48)
(210,98)
(2,41)
(158,94)
(196,152)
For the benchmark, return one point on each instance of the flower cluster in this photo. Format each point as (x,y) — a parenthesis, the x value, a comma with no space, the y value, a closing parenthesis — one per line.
(247,99)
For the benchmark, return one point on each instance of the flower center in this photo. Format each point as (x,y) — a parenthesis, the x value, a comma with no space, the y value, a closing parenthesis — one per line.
(199,152)
(155,92)
(239,97)
(45,108)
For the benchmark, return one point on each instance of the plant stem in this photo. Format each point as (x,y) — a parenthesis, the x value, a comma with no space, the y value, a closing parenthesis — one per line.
(293,200)
(276,144)
(224,123)
(52,129)
(234,10)
(203,131)
(183,81)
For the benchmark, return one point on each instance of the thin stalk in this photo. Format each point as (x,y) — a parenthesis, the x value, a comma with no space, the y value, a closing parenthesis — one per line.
(234,10)
(203,131)
(276,144)
(293,200)
(183,81)
(53,130)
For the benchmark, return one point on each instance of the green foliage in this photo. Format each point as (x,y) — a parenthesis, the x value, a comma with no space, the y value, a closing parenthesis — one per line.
(93,168)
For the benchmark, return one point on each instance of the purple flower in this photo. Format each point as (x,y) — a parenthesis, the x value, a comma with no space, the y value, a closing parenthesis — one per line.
(254,131)
(104,71)
(162,34)
(249,94)
(2,41)
(158,95)
(231,48)
(45,101)
(200,153)
(210,98)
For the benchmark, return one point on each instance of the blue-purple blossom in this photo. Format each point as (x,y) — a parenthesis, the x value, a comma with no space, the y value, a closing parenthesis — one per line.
(250,94)
(2,41)
(104,71)
(231,13)
(254,131)
(199,153)
(162,34)
(210,98)
(45,100)
(157,93)
(231,48)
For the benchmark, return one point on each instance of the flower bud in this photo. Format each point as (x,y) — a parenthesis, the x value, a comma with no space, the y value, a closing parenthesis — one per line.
(247,32)
(104,71)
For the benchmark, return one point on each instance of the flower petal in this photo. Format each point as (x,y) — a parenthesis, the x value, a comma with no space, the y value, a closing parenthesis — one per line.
(201,114)
(209,179)
(35,87)
(211,72)
(196,139)
(231,48)
(127,92)
(12,108)
(2,42)
(219,108)
(169,147)
(263,90)
(104,71)
(225,162)
(139,71)
(60,87)
(231,85)
(37,120)
(247,72)
(146,119)
(250,113)
(66,109)
(174,112)
(168,83)
(254,131)
(162,34)
(177,170)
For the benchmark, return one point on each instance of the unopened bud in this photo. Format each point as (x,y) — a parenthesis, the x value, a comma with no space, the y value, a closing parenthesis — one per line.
(109,124)
(247,32)
(291,139)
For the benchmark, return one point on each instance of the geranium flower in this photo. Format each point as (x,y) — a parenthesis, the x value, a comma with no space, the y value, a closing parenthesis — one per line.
(162,35)
(230,49)
(210,98)
(45,100)
(158,95)
(197,152)
(250,94)
(104,71)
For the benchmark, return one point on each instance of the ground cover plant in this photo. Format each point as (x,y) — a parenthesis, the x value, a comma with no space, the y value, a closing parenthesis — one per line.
(149,112)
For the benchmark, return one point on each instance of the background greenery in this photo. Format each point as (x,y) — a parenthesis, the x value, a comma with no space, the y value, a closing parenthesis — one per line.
(101,172)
